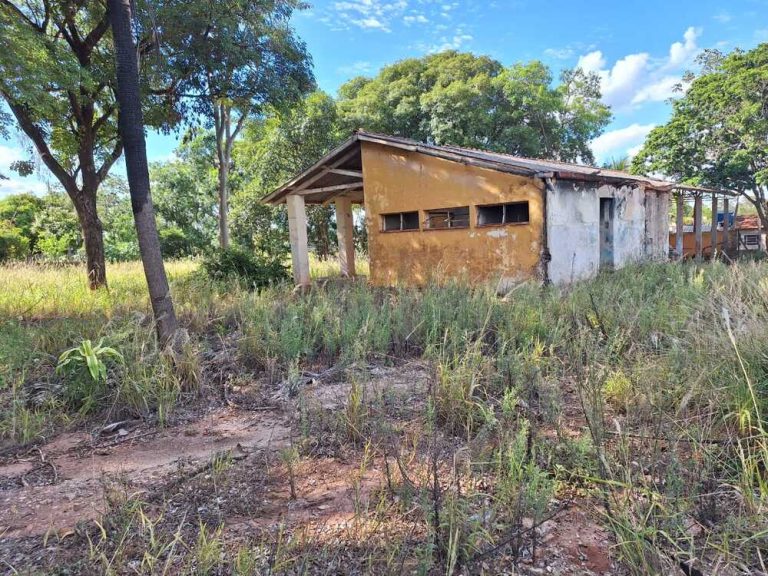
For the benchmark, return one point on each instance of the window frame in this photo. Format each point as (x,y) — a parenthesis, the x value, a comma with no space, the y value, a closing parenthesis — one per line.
(751,239)
(447,211)
(504,206)
(385,230)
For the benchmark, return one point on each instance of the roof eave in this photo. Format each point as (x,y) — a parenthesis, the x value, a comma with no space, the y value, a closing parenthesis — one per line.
(277,196)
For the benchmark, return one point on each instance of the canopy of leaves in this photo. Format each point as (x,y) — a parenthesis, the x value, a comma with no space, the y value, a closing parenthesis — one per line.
(474,101)
(184,195)
(243,52)
(718,133)
(19,211)
(272,150)
(56,68)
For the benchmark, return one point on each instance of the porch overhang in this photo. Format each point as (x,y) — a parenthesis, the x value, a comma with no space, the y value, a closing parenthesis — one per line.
(337,174)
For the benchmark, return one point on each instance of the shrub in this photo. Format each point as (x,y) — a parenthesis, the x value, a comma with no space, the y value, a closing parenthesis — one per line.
(13,245)
(85,371)
(174,243)
(239,264)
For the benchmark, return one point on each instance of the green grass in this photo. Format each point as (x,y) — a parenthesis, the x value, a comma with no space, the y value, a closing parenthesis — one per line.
(668,363)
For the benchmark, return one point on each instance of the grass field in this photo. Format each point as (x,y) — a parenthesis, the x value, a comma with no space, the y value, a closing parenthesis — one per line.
(639,397)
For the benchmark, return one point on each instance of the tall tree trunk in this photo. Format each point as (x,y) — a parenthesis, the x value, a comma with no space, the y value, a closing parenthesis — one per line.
(93,237)
(131,126)
(224,201)
(225,139)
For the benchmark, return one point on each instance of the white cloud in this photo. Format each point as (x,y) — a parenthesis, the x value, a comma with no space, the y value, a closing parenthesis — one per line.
(592,62)
(415,19)
(356,68)
(681,53)
(16,184)
(559,53)
(21,185)
(370,14)
(637,78)
(370,23)
(723,17)
(621,142)
(659,91)
(454,42)
(7,156)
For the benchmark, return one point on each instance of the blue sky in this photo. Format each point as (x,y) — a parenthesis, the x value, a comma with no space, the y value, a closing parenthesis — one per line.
(640,50)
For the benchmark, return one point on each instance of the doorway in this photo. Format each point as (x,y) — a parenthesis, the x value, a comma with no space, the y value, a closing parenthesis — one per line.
(606,233)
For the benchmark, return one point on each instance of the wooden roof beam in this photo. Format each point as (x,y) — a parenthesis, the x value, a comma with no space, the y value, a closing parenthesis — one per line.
(348,186)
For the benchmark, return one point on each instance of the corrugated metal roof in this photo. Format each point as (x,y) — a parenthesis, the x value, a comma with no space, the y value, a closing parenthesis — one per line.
(484,159)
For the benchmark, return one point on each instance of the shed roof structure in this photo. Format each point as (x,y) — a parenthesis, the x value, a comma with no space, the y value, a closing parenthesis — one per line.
(446,211)
(340,171)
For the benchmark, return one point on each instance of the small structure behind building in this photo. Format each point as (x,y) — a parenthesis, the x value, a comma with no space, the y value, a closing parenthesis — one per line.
(436,212)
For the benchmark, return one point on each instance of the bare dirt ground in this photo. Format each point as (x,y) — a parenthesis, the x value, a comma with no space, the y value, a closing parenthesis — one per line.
(48,490)
(51,488)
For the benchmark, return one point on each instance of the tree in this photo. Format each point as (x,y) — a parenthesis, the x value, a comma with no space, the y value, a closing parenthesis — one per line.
(131,126)
(246,59)
(56,227)
(56,78)
(622,164)
(273,150)
(474,101)
(13,244)
(20,211)
(184,191)
(718,133)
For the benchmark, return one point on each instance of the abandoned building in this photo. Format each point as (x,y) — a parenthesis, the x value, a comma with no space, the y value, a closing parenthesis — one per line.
(435,212)
(735,236)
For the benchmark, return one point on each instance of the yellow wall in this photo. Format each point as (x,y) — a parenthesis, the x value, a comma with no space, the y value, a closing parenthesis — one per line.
(402,181)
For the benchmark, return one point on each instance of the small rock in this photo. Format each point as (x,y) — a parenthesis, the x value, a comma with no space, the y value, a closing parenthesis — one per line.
(527,523)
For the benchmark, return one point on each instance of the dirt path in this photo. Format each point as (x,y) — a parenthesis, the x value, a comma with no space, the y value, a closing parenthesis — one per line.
(50,496)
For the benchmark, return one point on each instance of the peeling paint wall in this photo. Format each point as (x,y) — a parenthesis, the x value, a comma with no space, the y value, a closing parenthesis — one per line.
(658,226)
(402,181)
(573,235)
(573,227)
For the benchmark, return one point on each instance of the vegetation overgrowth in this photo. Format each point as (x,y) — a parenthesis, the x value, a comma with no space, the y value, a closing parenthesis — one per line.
(642,392)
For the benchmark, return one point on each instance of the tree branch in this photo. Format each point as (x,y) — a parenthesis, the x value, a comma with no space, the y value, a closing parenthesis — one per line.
(95,35)
(35,134)
(16,10)
(117,151)
(103,118)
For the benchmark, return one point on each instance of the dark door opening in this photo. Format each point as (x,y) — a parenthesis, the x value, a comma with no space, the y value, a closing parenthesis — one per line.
(606,233)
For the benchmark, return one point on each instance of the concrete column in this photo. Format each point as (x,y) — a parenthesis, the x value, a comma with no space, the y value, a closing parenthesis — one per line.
(726,226)
(713,231)
(345,230)
(680,225)
(297,228)
(697,228)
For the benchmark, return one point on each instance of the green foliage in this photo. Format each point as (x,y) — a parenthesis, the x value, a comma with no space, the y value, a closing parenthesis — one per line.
(57,227)
(250,57)
(271,152)
(718,133)
(20,211)
(85,370)
(240,264)
(465,100)
(184,192)
(13,244)
(175,243)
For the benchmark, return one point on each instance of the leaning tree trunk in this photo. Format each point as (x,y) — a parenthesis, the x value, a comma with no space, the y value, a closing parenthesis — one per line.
(93,238)
(131,126)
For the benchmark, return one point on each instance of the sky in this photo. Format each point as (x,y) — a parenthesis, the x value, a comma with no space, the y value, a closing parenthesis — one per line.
(639,50)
